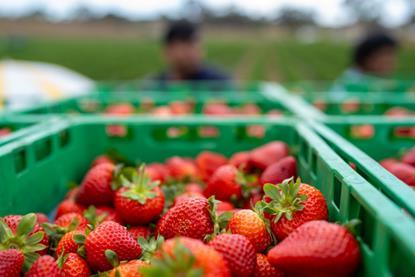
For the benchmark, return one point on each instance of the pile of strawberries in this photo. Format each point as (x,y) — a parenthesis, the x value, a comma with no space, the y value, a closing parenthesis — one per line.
(177,108)
(248,215)
(404,168)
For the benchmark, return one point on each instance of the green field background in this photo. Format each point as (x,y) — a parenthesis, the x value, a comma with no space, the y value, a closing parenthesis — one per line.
(284,60)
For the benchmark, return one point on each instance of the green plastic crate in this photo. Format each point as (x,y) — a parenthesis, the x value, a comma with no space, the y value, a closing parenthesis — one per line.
(35,171)
(21,126)
(97,102)
(389,138)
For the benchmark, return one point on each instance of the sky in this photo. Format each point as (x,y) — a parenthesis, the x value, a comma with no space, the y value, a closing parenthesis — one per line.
(328,12)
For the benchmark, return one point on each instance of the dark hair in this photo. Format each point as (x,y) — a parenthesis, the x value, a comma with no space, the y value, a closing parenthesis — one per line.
(182,30)
(371,44)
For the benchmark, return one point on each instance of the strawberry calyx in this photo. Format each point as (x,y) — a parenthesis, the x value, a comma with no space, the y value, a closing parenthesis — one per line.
(180,263)
(247,183)
(220,222)
(140,186)
(112,258)
(22,240)
(285,199)
(93,218)
(149,247)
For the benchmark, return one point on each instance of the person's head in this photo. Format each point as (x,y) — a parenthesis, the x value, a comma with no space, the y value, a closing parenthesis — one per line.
(182,47)
(376,54)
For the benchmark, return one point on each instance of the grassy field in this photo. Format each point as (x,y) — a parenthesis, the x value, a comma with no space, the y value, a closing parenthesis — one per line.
(108,59)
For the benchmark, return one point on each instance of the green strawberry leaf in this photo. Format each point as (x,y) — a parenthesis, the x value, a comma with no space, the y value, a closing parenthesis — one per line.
(271,191)
(29,259)
(5,231)
(79,239)
(112,257)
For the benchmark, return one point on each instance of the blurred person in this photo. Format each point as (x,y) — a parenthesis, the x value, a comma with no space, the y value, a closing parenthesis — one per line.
(183,54)
(373,57)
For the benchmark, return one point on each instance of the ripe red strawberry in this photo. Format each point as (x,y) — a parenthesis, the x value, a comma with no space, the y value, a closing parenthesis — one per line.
(181,168)
(139,231)
(193,187)
(73,265)
(157,172)
(293,204)
(128,269)
(398,112)
(404,172)
(224,206)
(249,224)
(41,218)
(190,218)
(96,186)
(110,235)
(31,228)
(5,132)
(140,201)
(67,243)
(66,219)
(240,160)
(409,157)
(265,269)
(317,248)
(103,159)
(68,206)
(207,162)
(217,108)
(238,253)
(108,213)
(186,195)
(192,254)
(180,107)
(224,184)
(44,266)
(279,171)
(268,154)
(11,262)
(387,163)
(122,109)
(250,109)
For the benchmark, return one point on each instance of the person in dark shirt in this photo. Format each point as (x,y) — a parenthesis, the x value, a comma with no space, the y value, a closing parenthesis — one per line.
(183,53)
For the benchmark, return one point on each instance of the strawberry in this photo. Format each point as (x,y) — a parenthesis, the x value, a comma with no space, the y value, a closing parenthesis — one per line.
(103,159)
(180,107)
(249,224)
(72,265)
(207,162)
(186,195)
(250,109)
(317,248)
(122,109)
(184,256)
(398,112)
(68,206)
(41,218)
(404,172)
(224,206)
(11,262)
(18,230)
(108,214)
(238,253)
(409,157)
(157,172)
(140,201)
(268,154)
(279,171)
(110,235)
(5,132)
(193,187)
(388,163)
(44,266)
(224,184)
(240,160)
(190,218)
(67,244)
(293,204)
(162,111)
(217,108)
(72,193)
(128,269)
(181,168)
(265,269)
(139,231)
(96,186)
(66,220)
